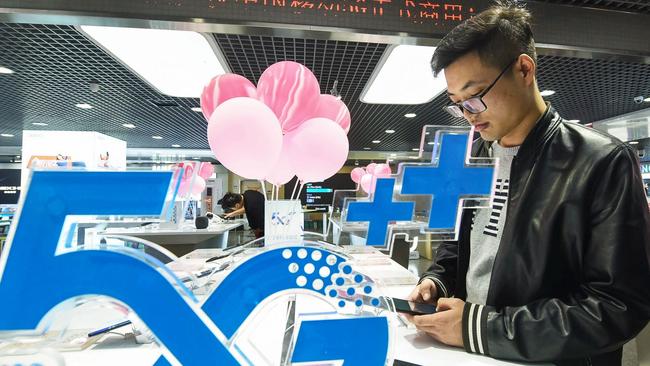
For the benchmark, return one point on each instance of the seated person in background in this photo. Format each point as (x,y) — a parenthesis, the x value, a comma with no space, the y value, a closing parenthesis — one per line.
(250,203)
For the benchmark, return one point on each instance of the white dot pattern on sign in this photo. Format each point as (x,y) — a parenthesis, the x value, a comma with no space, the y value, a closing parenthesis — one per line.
(317,284)
(309,268)
(302,253)
(331,259)
(301,281)
(286,254)
(293,267)
(316,255)
(324,271)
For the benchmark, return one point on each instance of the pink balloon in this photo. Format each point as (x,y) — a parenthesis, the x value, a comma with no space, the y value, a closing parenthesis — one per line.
(291,91)
(206,170)
(198,185)
(245,137)
(318,149)
(382,171)
(356,174)
(367,183)
(370,169)
(224,87)
(331,107)
(282,171)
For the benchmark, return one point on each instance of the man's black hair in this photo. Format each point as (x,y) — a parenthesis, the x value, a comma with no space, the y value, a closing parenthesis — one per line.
(229,200)
(499,35)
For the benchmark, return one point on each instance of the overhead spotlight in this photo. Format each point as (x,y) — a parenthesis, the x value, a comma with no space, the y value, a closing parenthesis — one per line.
(94,87)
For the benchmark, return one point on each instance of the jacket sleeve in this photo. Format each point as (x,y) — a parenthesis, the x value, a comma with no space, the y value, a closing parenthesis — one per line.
(610,306)
(444,270)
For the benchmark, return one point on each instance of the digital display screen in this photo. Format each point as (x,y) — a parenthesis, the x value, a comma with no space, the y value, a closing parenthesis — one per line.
(9,186)
(414,16)
(316,194)
(322,193)
(424,17)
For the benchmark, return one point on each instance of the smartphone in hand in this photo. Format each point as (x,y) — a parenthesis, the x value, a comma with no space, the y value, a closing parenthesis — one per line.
(413,308)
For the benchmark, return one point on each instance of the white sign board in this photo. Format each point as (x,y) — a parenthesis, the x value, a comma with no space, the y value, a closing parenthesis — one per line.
(73,149)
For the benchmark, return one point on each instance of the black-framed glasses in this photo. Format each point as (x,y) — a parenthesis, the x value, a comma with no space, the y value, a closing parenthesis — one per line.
(475,104)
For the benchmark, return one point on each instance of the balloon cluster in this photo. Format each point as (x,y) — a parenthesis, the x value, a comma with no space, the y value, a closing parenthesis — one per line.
(367,178)
(281,128)
(193,177)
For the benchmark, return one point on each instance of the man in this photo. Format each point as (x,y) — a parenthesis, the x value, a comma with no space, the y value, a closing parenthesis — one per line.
(250,203)
(557,270)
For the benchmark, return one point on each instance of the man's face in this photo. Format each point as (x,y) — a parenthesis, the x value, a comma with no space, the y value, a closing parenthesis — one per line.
(506,102)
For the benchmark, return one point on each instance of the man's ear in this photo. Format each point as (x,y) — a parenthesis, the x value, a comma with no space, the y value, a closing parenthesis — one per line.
(527,68)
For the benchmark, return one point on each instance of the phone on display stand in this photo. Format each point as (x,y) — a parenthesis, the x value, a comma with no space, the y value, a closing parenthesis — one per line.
(413,308)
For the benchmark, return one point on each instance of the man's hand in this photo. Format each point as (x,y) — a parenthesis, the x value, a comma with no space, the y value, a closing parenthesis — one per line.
(237,212)
(426,292)
(446,325)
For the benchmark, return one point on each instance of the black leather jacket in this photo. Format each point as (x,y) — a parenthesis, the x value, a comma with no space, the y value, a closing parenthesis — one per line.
(571,279)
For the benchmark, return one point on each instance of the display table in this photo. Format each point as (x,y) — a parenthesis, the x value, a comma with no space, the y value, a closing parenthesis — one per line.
(102,225)
(184,240)
(411,345)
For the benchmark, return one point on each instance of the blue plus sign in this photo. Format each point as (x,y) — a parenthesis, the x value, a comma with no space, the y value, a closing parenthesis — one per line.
(450,181)
(380,211)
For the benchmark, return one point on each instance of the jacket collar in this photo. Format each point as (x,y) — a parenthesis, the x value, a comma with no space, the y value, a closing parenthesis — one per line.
(543,130)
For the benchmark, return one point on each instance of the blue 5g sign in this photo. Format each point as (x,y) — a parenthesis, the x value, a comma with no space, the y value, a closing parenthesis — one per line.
(34,278)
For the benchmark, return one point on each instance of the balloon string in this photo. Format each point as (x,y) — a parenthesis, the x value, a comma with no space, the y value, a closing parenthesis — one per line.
(294,189)
(264,190)
(300,190)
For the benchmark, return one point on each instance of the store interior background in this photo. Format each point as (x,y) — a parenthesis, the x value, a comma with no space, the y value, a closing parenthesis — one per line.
(54,65)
